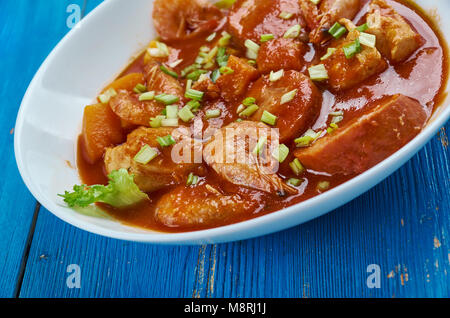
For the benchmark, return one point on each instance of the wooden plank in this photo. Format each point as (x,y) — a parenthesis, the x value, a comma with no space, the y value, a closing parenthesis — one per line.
(26,38)
(402,225)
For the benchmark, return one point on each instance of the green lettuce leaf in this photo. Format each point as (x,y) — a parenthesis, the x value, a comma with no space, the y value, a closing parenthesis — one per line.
(121,192)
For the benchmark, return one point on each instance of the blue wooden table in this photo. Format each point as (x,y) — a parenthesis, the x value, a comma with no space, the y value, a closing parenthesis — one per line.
(402,225)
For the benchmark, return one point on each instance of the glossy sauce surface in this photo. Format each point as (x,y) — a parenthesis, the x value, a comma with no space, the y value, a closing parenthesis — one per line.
(421,77)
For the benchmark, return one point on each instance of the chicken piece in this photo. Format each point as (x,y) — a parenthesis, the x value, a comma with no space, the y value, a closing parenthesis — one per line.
(345,73)
(329,12)
(365,141)
(231,154)
(127,106)
(162,171)
(280,54)
(200,206)
(234,85)
(249,19)
(185,19)
(295,116)
(395,38)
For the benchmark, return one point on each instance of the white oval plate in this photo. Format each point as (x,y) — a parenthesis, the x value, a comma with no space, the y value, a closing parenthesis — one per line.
(89,57)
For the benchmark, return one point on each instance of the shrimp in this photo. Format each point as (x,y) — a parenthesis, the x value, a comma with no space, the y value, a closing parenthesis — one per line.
(127,106)
(232,155)
(185,19)
(203,205)
(294,116)
(159,173)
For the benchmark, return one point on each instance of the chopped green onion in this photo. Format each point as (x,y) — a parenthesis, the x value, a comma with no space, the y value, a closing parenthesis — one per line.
(222,57)
(323,186)
(249,111)
(215,75)
(240,108)
(337,30)
(186,114)
(167,99)
(188,83)
(249,101)
(330,51)
(275,76)
(176,63)
(351,49)
(367,39)
(281,153)
(196,74)
(318,72)
(204,49)
(106,96)
(307,138)
(337,119)
(189,69)
(293,32)
(225,70)
(192,180)
(286,15)
(297,167)
(168,72)
(194,94)
(156,122)
(193,105)
(268,118)
(166,141)
(251,62)
(147,96)
(146,154)
(332,128)
(260,145)
(213,113)
(169,122)
(267,37)
(286,98)
(140,88)
(294,182)
(211,37)
(225,39)
(171,111)
(161,50)
(363,27)
(252,49)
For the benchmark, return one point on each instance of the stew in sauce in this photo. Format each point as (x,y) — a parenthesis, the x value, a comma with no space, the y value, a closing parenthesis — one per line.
(346,83)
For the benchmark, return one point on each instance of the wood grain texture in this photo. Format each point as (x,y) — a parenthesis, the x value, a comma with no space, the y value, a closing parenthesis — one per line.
(27,37)
(402,225)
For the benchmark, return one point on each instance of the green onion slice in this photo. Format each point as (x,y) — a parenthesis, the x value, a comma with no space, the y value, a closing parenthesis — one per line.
(156,122)
(140,88)
(213,113)
(225,39)
(215,75)
(167,99)
(275,76)
(267,37)
(368,39)
(286,98)
(194,94)
(171,111)
(294,182)
(268,118)
(293,32)
(260,145)
(337,30)
(169,122)
(166,141)
(106,96)
(186,114)
(281,153)
(249,111)
(192,180)
(147,96)
(363,27)
(318,72)
(351,49)
(286,15)
(225,70)
(323,186)
(146,154)
(249,101)
(252,49)
(211,37)
(297,167)
(330,51)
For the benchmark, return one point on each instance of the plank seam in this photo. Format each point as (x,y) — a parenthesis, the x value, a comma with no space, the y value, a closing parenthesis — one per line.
(26,253)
